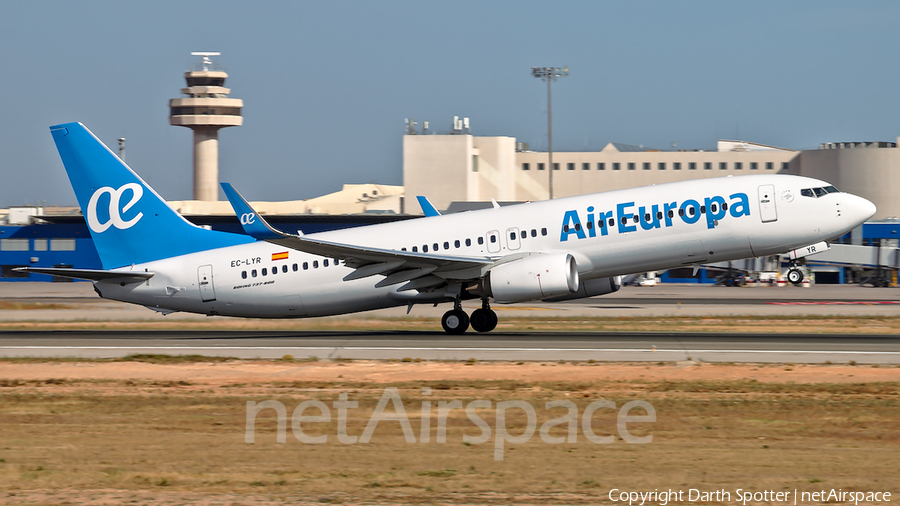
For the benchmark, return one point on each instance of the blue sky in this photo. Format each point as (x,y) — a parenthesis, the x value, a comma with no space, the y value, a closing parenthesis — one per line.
(326,85)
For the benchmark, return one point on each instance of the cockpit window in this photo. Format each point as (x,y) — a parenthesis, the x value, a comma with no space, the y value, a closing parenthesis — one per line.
(818,192)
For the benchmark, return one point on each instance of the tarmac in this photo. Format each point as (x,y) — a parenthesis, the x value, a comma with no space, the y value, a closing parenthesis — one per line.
(79,302)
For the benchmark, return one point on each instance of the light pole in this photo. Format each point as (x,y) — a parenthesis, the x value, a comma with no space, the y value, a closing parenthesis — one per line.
(550,74)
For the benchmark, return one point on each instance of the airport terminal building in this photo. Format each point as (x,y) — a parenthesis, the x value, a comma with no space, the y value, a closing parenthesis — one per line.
(459,167)
(468,171)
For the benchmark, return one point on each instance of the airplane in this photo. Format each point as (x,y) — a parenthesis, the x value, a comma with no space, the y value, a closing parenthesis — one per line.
(560,249)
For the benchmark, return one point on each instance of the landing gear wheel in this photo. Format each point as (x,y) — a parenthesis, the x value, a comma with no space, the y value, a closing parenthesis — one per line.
(795,276)
(455,321)
(484,320)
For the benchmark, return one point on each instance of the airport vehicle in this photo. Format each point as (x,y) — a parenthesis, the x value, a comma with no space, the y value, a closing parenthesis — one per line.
(553,250)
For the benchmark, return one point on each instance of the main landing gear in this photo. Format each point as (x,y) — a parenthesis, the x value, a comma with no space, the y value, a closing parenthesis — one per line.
(456,321)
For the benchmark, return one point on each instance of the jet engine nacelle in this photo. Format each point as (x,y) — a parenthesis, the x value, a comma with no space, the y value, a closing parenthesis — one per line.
(591,288)
(533,277)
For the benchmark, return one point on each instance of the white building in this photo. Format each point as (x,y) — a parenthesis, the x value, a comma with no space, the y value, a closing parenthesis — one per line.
(462,167)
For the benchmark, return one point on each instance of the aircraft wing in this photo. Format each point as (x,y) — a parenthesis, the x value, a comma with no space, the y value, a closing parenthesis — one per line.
(398,266)
(428,208)
(91,274)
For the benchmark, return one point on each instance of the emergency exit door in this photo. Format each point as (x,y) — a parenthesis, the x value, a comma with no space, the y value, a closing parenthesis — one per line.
(767,211)
(205,278)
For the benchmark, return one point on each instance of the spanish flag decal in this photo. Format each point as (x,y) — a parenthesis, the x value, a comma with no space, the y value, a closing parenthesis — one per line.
(280,256)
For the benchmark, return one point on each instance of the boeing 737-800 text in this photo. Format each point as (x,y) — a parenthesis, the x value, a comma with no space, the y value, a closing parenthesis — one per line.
(554,250)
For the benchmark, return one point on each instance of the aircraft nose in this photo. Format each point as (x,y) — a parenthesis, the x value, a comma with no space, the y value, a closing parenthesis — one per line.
(860,209)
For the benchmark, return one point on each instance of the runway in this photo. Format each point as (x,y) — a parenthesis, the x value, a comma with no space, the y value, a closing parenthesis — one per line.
(509,346)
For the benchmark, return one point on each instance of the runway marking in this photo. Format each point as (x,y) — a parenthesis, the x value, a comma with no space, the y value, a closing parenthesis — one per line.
(401,348)
(837,303)
(517,308)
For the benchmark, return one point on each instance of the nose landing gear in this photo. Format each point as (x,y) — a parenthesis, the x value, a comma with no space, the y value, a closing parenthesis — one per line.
(795,276)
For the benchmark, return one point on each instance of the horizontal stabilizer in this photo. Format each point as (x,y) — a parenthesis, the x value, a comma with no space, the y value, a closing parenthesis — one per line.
(91,274)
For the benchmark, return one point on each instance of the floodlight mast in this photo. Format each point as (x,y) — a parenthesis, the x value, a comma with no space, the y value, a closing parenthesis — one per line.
(550,74)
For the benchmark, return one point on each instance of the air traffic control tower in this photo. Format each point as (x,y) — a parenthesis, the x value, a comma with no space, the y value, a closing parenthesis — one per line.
(205,110)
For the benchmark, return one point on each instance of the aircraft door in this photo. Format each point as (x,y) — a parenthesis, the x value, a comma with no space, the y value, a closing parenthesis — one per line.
(205,278)
(767,211)
(513,242)
(493,241)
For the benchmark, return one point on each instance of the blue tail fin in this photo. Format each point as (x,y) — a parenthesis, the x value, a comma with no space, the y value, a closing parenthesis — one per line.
(129,222)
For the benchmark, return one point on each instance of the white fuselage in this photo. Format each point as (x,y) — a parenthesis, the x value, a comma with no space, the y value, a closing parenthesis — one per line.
(764,215)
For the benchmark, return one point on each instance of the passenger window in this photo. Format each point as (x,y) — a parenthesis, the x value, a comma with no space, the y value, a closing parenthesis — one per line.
(566,228)
(295,267)
(435,247)
(264,271)
(578,227)
(512,236)
(424,248)
(671,213)
(456,243)
(601,223)
(543,231)
(647,217)
(493,238)
(612,222)
(243,274)
(253,273)
(446,245)
(635,218)
(724,206)
(415,249)
(480,240)
(681,212)
(523,234)
(325,263)
(402,249)
(590,225)
(702,209)
(315,264)
(691,211)
(468,242)
(274,270)
(305,266)
(337,262)
(533,233)
(659,215)
(624,220)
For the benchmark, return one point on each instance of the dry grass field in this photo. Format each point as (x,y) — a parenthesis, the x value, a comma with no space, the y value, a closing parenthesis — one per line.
(792,323)
(156,430)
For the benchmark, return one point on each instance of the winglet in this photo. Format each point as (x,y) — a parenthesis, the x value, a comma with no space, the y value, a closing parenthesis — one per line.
(254,225)
(427,207)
